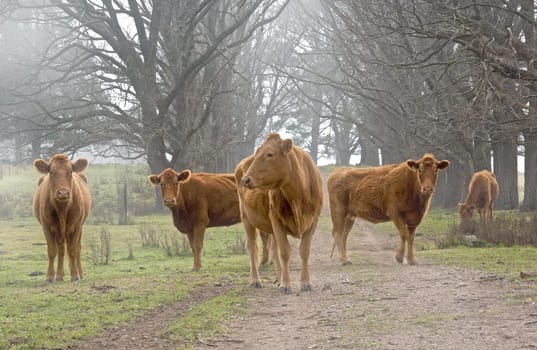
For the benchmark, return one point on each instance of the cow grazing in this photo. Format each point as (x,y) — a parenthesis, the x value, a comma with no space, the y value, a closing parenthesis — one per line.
(61,204)
(482,192)
(400,193)
(280,191)
(198,201)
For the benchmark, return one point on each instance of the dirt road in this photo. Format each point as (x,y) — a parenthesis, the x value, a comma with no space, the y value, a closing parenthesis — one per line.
(375,303)
(379,304)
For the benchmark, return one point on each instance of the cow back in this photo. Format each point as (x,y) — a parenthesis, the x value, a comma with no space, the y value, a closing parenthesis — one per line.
(213,196)
(483,187)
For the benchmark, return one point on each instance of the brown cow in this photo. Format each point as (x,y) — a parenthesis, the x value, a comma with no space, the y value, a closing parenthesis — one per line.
(400,193)
(482,192)
(198,201)
(61,204)
(280,190)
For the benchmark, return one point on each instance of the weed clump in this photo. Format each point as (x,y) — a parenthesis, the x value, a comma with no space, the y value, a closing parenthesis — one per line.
(505,229)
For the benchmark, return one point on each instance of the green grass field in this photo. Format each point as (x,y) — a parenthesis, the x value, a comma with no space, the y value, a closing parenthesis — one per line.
(136,279)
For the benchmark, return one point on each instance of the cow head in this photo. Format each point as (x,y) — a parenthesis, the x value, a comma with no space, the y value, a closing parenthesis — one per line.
(269,167)
(60,172)
(427,170)
(466,211)
(169,181)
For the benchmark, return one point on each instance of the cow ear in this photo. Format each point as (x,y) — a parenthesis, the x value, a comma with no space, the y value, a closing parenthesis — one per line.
(287,145)
(412,164)
(153,179)
(442,164)
(184,176)
(41,166)
(80,165)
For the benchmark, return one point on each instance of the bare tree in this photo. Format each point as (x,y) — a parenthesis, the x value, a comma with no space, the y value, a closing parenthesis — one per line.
(163,65)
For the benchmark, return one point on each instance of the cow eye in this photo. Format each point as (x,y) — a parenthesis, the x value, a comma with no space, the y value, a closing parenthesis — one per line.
(269,155)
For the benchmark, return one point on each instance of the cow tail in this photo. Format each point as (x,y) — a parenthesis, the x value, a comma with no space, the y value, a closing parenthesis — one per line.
(333,248)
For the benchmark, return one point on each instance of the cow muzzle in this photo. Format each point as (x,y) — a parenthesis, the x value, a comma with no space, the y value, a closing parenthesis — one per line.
(247,182)
(63,194)
(427,190)
(170,202)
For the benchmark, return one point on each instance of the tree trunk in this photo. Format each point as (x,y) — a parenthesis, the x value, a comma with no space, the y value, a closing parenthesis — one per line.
(316,126)
(481,152)
(451,186)
(530,172)
(505,169)
(369,155)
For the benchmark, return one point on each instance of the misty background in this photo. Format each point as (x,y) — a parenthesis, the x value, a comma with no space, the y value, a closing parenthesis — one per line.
(198,84)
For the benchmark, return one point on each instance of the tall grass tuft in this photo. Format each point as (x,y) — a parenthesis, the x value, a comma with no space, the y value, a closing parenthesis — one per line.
(175,244)
(101,250)
(238,246)
(505,229)
(149,236)
(106,245)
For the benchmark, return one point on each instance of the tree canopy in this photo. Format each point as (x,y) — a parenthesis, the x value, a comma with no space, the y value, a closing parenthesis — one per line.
(195,84)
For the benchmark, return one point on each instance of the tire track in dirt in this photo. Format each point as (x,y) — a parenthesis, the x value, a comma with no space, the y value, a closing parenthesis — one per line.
(148,331)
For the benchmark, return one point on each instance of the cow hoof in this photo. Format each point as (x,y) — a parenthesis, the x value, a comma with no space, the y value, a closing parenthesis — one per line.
(413,262)
(195,269)
(256,285)
(306,288)
(399,259)
(285,290)
(75,278)
(347,263)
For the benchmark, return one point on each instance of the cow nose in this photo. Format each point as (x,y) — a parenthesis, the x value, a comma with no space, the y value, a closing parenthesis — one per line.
(62,193)
(428,189)
(246,181)
(169,201)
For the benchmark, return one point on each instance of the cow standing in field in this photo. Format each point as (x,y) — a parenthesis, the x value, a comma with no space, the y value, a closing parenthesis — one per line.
(198,201)
(482,192)
(61,204)
(400,193)
(280,191)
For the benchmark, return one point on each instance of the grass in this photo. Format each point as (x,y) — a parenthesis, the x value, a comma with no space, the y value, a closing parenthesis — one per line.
(34,314)
(203,321)
(509,261)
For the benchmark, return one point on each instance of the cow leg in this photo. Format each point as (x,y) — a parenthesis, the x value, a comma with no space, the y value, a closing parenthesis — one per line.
(304,251)
(253,252)
(73,252)
(60,242)
(410,254)
(265,241)
(78,258)
(404,236)
(285,253)
(341,227)
(482,215)
(275,257)
(52,250)
(488,211)
(199,234)
(347,227)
